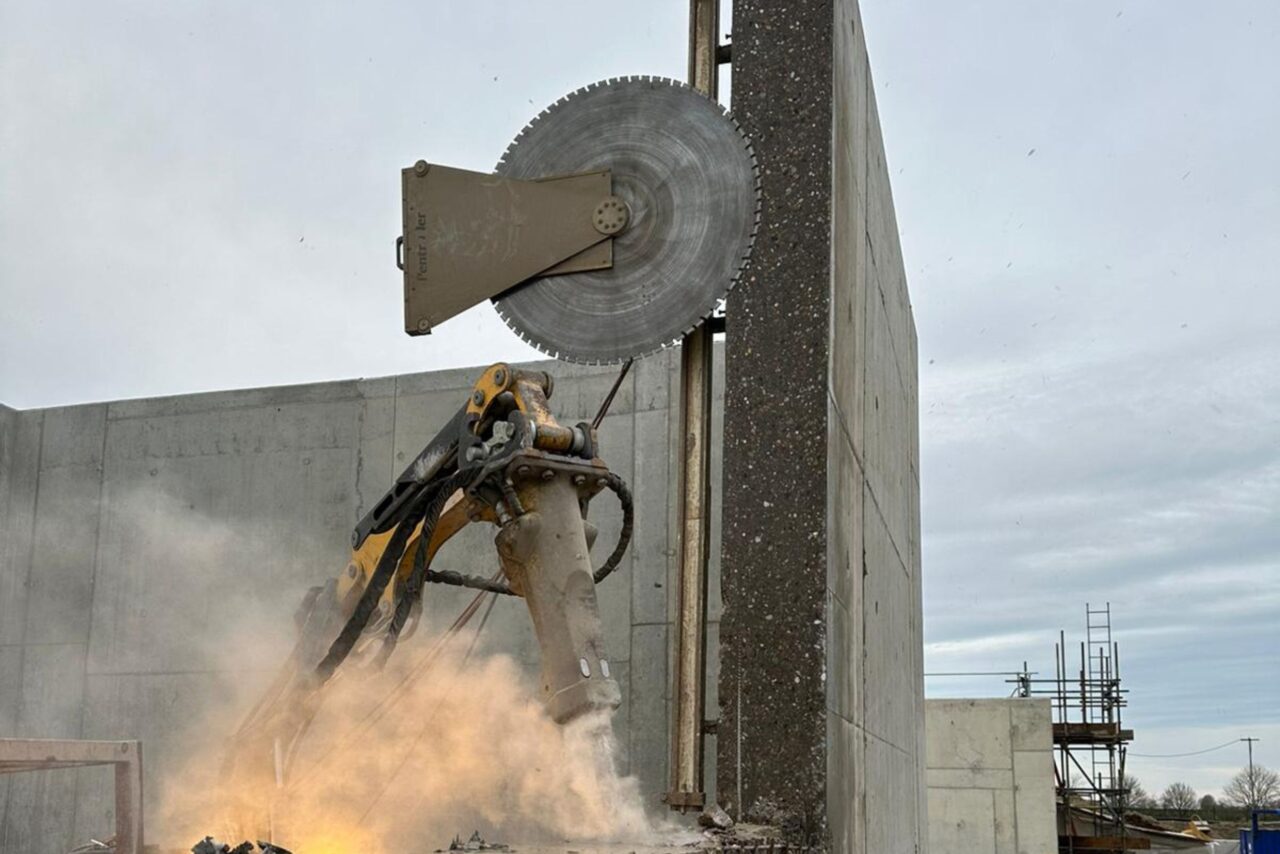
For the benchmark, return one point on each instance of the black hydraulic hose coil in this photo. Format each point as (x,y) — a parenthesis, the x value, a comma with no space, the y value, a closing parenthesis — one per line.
(388,563)
(412,591)
(619,487)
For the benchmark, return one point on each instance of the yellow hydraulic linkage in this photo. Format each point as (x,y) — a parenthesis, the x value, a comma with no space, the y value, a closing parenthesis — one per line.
(502,459)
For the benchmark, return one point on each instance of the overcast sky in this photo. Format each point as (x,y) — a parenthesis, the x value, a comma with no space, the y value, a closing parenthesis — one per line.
(204,195)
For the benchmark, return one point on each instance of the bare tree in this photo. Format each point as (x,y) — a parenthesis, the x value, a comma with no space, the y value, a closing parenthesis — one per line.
(1135,795)
(1180,797)
(1258,786)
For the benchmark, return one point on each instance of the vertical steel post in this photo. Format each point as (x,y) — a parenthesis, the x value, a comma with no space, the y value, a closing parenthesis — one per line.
(695,488)
(1253,781)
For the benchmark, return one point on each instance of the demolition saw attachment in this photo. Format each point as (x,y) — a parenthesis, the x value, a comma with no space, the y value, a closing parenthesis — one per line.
(615,223)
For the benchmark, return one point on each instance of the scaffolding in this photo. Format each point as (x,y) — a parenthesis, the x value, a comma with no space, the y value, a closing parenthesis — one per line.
(1089,738)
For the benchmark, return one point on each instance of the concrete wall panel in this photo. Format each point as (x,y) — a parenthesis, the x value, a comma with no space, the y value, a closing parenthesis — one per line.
(650,707)
(888,445)
(20,444)
(990,777)
(1033,796)
(965,818)
(375,430)
(1004,821)
(1028,724)
(847,495)
(60,578)
(967,736)
(891,819)
(10,675)
(39,813)
(653,548)
(890,681)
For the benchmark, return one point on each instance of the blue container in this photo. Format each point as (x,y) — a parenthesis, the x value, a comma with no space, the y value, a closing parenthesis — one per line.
(1256,841)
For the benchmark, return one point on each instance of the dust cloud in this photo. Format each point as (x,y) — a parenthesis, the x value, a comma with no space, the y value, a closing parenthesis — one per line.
(439,743)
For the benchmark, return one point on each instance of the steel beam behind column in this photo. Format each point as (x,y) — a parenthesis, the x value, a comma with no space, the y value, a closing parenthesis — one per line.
(696,353)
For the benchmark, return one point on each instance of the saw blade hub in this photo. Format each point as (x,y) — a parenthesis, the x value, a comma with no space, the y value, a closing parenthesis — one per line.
(611,215)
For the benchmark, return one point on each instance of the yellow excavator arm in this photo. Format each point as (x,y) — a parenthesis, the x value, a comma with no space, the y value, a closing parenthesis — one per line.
(502,459)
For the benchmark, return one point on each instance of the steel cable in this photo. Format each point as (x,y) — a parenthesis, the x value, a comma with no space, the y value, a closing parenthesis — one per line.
(1177,755)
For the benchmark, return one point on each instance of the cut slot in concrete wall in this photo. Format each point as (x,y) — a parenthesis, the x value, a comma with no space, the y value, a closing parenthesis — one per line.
(134,533)
(990,776)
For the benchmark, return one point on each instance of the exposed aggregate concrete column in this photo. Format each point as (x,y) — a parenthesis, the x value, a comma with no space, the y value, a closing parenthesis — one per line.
(820,689)
(772,733)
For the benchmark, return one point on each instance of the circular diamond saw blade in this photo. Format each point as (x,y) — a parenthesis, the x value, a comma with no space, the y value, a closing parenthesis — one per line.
(689,177)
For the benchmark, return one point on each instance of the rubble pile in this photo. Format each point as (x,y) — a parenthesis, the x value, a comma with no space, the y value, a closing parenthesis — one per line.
(209,845)
(475,843)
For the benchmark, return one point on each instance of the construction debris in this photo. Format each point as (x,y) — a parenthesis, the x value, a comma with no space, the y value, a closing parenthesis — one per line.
(475,843)
(209,845)
(714,816)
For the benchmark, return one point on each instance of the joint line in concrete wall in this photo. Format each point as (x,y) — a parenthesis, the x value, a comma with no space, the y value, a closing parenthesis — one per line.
(93,585)
(26,607)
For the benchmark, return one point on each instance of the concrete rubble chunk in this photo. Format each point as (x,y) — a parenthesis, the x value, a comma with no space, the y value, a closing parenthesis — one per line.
(715,816)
